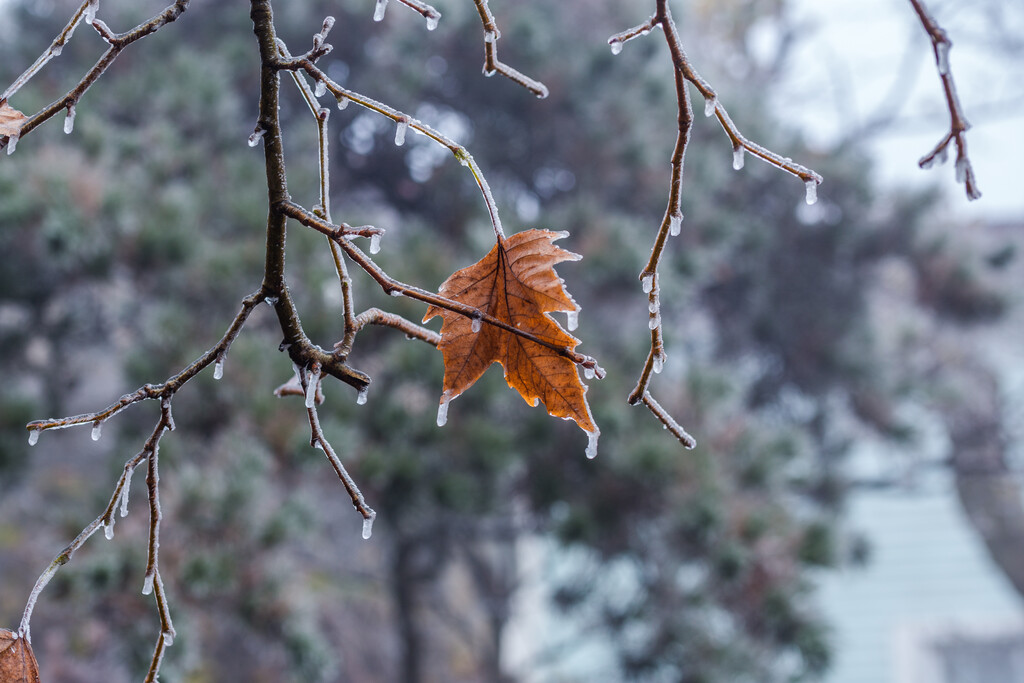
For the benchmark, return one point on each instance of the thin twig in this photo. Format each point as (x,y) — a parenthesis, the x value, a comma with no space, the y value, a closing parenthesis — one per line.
(461,153)
(375,316)
(958,124)
(492,64)
(117,42)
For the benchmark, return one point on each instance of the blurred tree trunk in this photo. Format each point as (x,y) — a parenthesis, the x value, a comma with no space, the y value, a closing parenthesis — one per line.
(989,491)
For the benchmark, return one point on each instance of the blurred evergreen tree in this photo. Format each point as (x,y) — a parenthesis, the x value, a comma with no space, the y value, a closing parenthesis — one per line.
(136,237)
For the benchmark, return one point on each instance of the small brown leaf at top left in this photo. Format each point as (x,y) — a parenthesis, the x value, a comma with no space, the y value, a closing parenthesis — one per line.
(11,121)
(17,661)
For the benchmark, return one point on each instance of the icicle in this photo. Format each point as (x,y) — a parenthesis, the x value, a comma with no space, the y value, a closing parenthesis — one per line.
(475,325)
(124,493)
(395,292)
(403,126)
(942,57)
(488,71)
(572,319)
(490,37)
(90,11)
(256,136)
(592,443)
(108,529)
(361,396)
(368,525)
(709,105)
(654,321)
(56,49)
(812,191)
(737,158)
(69,120)
(648,283)
(312,379)
(659,364)
(33,437)
(442,409)
(168,638)
(97,430)
(588,372)
(147,585)
(675,224)
(12,142)
(342,102)
(654,306)
(536,401)
(378,11)
(432,21)
(616,46)
(218,368)
(375,243)
(320,90)
(271,301)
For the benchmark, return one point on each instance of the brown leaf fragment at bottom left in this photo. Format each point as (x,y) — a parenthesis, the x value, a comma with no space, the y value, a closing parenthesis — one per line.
(11,120)
(17,661)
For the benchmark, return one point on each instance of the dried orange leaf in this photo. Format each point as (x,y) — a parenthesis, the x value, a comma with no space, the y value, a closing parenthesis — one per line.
(11,121)
(515,283)
(17,662)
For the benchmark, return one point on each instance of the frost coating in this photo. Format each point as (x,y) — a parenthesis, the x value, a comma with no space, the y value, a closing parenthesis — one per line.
(33,437)
(592,443)
(737,158)
(378,11)
(709,106)
(368,525)
(442,409)
(69,120)
(812,191)
(361,396)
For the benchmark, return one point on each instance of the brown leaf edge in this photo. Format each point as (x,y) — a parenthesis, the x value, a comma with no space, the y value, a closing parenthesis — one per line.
(17,661)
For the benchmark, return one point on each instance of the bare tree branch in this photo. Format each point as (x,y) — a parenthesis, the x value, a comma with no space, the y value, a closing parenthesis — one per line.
(958,124)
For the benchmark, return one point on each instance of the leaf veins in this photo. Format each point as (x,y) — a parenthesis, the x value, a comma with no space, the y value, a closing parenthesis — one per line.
(517,284)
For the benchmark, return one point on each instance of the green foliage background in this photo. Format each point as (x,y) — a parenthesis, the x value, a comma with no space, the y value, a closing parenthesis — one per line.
(130,243)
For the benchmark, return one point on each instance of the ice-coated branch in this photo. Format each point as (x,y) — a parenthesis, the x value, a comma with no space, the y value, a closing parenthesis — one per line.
(403,122)
(492,64)
(958,124)
(375,316)
(310,380)
(423,9)
(671,223)
(215,355)
(118,42)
